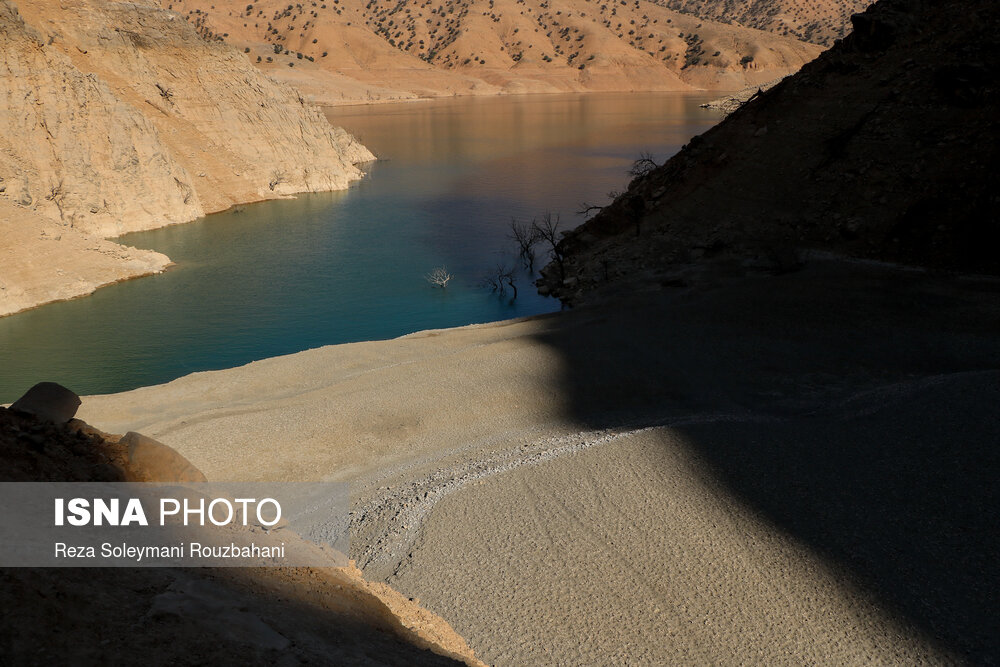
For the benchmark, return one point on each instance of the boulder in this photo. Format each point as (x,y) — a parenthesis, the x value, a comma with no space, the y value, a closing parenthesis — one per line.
(156,462)
(49,401)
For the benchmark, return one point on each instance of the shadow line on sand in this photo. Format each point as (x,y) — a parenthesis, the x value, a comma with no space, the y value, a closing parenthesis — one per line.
(880,447)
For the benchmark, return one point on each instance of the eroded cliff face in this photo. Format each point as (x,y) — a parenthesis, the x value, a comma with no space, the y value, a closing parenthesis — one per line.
(119,117)
(71,148)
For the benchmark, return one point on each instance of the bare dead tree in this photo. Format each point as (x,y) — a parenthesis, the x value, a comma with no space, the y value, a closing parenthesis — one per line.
(506,275)
(586,209)
(547,229)
(439,277)
(491,283)
(277,178)
(500,279)
(525,236)
(643,165)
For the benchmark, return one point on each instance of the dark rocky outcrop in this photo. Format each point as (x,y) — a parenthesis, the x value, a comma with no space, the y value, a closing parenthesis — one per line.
(49,401)
(885,147)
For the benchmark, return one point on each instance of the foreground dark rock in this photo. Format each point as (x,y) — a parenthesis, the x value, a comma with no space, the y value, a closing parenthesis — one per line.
(187,616)
(49,401)
(882,148)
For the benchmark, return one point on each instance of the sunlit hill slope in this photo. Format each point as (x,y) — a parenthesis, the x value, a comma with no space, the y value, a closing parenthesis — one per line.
(346,50)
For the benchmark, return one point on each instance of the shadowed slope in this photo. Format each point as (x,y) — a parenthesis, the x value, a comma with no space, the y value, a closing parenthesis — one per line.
(884,147)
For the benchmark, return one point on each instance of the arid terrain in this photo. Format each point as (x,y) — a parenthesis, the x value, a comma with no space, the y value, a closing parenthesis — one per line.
(350,52)
(119,117)
(737,445)
(765,432)
(170,616)
(816,21)
(786,469)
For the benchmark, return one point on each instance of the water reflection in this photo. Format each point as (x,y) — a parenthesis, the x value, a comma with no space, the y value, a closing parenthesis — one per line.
(284,276)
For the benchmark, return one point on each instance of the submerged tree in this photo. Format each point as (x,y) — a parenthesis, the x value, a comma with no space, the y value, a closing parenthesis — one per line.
(525,236)
(500,279)
(547,229)
(439,277)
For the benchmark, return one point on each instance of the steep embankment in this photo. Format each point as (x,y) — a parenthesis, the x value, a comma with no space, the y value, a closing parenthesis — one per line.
(382,50)
(884,147)
(119,117)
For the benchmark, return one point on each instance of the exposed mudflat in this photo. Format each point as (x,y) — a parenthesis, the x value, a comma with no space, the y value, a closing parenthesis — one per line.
(769,469)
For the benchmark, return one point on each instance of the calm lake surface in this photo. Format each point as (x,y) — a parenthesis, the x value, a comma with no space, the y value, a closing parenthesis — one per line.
(284,276)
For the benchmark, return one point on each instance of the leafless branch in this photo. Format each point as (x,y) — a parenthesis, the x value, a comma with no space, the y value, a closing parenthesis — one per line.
(548,232)
(500,279)
(439,277)
(643,165)
(525,236)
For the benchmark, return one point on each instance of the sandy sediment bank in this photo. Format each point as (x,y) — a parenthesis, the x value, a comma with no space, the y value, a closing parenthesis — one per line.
(778,468)
(733,101)
(45,262)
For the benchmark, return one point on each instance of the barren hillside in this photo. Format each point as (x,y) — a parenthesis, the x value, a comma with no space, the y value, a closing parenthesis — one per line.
(348,51)
(883,148)
(816,21)
(119,117)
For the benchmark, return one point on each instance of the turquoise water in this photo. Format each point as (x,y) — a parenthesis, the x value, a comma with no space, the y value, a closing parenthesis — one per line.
(283,276)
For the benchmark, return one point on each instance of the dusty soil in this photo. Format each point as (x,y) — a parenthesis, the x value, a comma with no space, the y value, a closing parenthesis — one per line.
(169,616)
(780,468)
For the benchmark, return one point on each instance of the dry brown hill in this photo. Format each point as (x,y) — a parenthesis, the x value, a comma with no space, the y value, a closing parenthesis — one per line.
(816,21)
(343,50)
(116,117)
(883,148)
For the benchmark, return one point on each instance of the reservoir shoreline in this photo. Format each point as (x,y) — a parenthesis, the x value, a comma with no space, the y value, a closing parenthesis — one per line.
(300,272)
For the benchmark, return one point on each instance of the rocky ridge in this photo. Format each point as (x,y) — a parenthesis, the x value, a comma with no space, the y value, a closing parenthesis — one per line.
(816,21)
